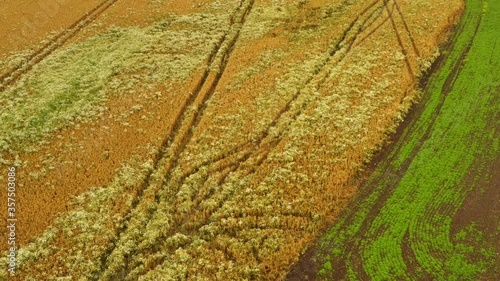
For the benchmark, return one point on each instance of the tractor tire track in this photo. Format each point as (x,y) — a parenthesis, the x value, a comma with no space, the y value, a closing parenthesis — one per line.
(257,142)
(193,124)
(262,151)
(14,74)
(410,259)
(263,147)
(186,122)
(400,42)
(377,27)
(159,156)
(415,49)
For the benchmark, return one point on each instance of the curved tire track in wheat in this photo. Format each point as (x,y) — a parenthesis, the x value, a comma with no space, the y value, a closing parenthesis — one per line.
(257,144)
(265,143)
(186,122)
(261,147)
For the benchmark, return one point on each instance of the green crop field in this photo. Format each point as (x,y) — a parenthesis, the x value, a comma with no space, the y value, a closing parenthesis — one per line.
(402,224)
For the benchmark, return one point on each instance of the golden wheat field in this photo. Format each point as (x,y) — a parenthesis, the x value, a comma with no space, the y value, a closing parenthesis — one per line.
(196,140)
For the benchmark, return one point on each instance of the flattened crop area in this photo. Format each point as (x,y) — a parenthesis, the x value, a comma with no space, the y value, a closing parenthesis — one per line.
(430,211)
(213,142)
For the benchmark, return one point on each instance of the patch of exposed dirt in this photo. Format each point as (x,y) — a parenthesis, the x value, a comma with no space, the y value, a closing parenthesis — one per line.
(306,269)
(482,207)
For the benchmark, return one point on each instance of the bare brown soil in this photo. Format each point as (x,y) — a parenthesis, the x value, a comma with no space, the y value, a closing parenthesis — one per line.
(482,204)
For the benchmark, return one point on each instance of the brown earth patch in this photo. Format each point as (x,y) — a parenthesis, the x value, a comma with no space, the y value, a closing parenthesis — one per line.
(482,205)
